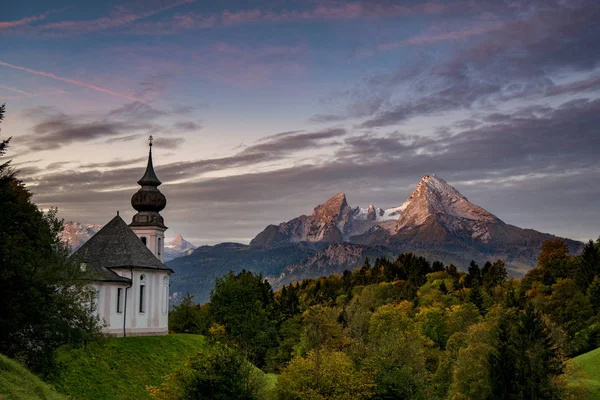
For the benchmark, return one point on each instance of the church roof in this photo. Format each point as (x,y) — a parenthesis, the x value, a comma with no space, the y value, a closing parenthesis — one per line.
(117,246)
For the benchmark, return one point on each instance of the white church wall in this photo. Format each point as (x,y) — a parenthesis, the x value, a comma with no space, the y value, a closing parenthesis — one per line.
(153,317)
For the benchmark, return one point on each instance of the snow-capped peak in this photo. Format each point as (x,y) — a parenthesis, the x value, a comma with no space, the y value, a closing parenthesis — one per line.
(434,198)
(179,243)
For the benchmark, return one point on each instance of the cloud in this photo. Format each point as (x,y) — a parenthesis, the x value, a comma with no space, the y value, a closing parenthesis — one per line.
(58,130)
(114,163)
(320,118)
(519,54)
(435,36)
(121,16)
(187,126)
(23,21)
(168,143)
(81,84)
(321,12)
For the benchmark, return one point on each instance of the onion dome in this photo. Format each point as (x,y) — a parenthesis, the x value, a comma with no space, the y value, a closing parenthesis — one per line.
(148,198)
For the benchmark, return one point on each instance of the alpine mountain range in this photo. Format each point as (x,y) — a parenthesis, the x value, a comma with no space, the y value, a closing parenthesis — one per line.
(436,221)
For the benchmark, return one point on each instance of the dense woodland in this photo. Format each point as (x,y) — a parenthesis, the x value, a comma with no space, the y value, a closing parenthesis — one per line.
(406,329)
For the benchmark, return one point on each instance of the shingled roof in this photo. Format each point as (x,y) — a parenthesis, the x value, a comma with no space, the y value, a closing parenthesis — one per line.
(117,246)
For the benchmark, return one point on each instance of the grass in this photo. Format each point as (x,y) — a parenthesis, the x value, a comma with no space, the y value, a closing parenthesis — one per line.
(590,364)
(121,368)
(17,383)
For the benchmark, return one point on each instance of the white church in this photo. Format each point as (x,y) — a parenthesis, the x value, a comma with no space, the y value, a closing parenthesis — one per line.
(132,282)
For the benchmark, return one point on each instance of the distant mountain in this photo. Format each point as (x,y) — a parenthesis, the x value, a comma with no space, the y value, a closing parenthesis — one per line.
(177,247)
(76,234)
(435,221)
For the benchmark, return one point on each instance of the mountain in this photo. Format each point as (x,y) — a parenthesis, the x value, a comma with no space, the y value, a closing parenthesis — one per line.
(76,234)
(436,221)
(331,222)
(177,247)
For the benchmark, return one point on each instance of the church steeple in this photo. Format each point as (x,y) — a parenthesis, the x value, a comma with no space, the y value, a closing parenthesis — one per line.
(149,178)
(148,201)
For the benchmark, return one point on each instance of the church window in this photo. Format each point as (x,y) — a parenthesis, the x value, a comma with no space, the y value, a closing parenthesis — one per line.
(165,307)
(142,292)
(143,240)
(159,246)
(119,300)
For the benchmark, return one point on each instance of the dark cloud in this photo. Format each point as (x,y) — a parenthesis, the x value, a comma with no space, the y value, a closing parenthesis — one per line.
(292,141)
(114,163)
(60,130)
(136,110)
(319,118)
(168,142)
(187,126)
(127,138)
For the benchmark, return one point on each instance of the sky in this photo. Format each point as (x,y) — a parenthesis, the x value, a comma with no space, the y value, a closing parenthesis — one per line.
(261,110)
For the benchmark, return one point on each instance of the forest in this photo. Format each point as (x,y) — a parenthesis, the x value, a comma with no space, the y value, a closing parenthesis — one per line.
(406,328)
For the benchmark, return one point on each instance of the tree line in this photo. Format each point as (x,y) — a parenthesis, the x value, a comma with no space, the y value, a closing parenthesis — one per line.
(411,329)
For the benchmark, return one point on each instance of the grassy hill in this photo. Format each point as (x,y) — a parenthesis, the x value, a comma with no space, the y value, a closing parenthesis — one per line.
(17,383)
(590,363)
(121,368)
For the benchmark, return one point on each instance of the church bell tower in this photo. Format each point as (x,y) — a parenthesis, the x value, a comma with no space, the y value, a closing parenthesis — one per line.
(148,201)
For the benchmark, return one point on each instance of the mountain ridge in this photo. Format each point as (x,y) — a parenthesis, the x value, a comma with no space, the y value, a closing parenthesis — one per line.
(435,221)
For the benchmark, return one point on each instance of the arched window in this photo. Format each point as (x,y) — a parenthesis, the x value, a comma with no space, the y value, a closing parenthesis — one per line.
(165,305)
(142,293)
(143,240)
(158,249)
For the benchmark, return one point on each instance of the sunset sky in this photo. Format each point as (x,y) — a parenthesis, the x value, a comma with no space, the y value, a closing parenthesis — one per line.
(261,110)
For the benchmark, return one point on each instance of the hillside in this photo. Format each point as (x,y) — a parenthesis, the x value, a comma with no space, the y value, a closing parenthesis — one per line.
(121,368)
(17,383)
(590,363)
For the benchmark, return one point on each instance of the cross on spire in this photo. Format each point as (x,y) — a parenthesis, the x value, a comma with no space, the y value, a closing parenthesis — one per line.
(150,139)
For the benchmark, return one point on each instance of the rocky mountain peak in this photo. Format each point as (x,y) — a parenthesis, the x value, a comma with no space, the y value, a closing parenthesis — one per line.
(331,209)
(434,199)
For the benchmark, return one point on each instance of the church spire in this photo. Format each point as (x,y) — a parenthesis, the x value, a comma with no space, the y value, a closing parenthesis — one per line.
(149,178)
(148,200)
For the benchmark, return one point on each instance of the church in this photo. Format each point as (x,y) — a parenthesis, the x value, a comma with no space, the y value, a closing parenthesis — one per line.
(131,281)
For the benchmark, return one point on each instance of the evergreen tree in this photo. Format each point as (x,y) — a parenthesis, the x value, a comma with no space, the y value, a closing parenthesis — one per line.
(594,294)
(45,298)
(588,265)
(443,288)
(244,304)
(476,297)
(188,317)
(5,172)
(473,277)
(503,372)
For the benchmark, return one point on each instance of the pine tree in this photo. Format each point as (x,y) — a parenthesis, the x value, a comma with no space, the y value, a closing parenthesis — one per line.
(476,297)
(588,265)
(5,170)
(44,296)
(594,294)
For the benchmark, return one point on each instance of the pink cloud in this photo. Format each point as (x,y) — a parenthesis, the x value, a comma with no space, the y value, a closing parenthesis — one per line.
(436,36)
(23,21)
(80,84)
(338,11)
(122,16)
